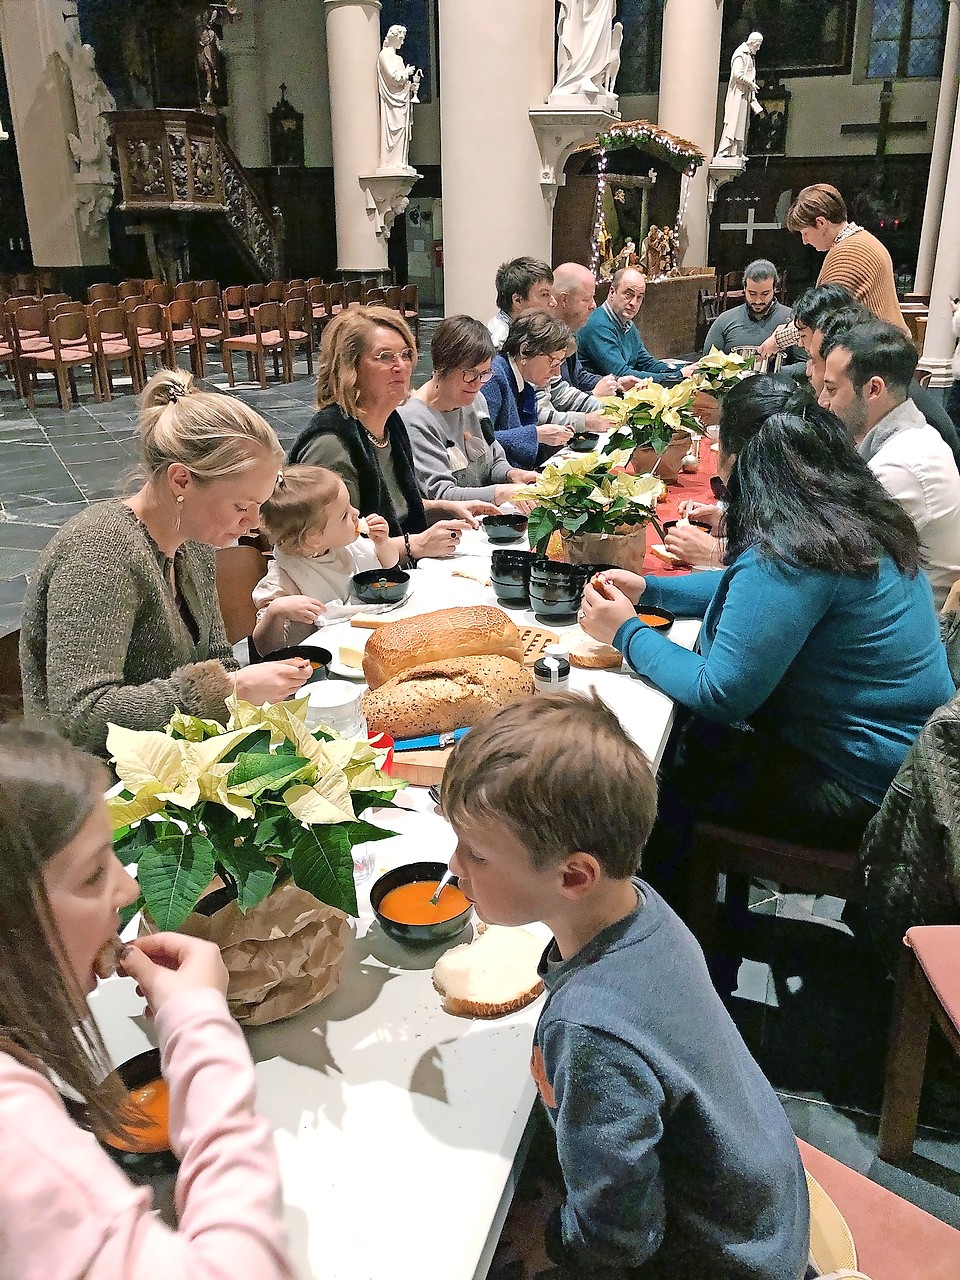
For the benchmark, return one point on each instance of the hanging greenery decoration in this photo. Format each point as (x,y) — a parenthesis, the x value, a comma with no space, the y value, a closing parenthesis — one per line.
(654,141)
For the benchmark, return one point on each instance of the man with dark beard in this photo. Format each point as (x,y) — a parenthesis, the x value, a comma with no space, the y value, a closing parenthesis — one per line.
(756,318)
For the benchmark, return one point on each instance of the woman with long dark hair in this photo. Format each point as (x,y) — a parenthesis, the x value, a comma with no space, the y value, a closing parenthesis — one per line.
(820,655)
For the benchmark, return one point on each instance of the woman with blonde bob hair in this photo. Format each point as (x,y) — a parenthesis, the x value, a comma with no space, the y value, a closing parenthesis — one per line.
(121,623)
(363,377)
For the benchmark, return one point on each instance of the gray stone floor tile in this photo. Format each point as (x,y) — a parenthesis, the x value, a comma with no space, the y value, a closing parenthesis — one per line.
(15,563)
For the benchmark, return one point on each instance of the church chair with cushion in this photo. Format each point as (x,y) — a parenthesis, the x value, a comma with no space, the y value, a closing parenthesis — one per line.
(184,334)
(267,336)
(374,298)
(186,290)
(29,329)
(160,293)
(296,287)
(894,1240)
(928,990)
(353,293)
(132,301)
(235,308)
(393,297)
(318,296)
(212,324)
(208,289)
(132,288)
(68,308)
(149,332)
(53,300)
(297,333)
(254,295)
(108,331)
(411,308)
(103,293)
(239,569)
(338,298)
(8,354)
(275,291)
(72,348)
(312,280)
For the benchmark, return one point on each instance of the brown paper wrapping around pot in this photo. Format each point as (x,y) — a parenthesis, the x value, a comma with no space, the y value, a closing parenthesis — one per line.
(706,409)
(284,955)
(625,550)
(667,469)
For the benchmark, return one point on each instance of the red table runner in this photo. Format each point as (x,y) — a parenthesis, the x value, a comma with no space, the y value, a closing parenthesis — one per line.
(695,486)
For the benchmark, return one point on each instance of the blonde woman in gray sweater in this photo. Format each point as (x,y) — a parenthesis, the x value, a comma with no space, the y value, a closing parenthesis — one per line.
(455,454)
(121,622)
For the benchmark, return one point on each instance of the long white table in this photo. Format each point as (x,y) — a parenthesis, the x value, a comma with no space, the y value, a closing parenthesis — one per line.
(397,1125)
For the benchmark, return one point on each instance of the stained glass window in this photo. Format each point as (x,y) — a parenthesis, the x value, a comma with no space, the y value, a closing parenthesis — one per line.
(906,39)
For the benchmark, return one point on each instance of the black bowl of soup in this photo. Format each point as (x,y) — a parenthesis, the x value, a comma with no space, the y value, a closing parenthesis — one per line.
(510,575)
(381,586)
(584,441)
(400,903)
(318,658)
(143,1146)
(505,528)
(654,618)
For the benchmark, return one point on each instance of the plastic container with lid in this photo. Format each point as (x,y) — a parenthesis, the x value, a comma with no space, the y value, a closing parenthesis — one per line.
(551,674)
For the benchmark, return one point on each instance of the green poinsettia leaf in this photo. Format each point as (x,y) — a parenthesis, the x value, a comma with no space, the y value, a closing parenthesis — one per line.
(127,913)
(321,862)
(256,771)
(248,868)
(173,872)
(540,525)
(574,523)
(366,832)
(363,800)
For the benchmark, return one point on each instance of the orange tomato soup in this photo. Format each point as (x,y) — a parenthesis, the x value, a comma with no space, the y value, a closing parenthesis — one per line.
(654,620)
(410,903)
(152,1101)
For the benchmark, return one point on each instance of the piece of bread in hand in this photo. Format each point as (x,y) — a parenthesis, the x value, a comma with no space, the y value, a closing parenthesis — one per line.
(464,632)
(107,959)
(590,655)
(494,975)
(438,697)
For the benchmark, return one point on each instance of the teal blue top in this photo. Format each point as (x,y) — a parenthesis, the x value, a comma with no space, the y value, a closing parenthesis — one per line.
(845,668)
(607,345)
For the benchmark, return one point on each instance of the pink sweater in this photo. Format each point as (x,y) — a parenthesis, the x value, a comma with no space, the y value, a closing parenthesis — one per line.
(67,1211)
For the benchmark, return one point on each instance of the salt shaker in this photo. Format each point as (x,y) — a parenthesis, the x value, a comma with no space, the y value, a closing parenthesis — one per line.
(551,674)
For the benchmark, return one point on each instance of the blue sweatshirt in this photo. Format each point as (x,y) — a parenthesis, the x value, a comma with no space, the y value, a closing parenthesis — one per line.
(607,346)
(845,668)
(513,413)
(676,1153)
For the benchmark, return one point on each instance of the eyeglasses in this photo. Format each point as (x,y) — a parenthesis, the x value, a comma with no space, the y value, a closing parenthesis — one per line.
(474,378)
(385,358)
(556,361)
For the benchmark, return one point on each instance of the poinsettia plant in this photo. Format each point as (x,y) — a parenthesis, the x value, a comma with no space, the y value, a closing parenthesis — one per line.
(717,372)
(648,415)
(590,494)
(251,803)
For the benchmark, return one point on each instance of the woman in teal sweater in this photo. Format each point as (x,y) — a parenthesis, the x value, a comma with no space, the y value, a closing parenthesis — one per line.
(820,654)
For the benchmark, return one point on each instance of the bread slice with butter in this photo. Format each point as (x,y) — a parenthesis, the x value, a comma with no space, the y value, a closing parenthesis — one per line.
(351,655)
(492,976)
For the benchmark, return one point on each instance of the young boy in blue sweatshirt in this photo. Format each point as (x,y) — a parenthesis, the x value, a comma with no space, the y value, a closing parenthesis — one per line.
(677,1158)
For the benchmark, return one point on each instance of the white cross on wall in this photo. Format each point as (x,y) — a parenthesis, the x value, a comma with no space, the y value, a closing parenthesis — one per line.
(750,226)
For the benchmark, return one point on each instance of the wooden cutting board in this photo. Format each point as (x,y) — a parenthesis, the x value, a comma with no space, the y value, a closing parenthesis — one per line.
(421,768)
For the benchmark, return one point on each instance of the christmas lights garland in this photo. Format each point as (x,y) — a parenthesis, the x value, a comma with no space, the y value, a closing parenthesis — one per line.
(676,152)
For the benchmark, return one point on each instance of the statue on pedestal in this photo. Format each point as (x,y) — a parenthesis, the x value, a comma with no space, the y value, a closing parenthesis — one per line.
(398,84)
(210,46)
(588,49)
(741,98)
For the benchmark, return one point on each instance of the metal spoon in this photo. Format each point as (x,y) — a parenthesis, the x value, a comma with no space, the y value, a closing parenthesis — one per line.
(447,877)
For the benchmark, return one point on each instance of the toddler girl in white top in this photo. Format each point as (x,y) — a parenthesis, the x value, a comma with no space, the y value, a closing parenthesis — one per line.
(318,547)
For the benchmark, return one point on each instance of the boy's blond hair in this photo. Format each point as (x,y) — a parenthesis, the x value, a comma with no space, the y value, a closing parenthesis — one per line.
(561,774)
(299,505)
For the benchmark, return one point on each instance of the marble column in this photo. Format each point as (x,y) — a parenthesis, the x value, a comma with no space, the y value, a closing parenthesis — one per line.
(353,46)
(689,80)
(496,62)
(939,343)
(247,114)
(942,135)
(34,39)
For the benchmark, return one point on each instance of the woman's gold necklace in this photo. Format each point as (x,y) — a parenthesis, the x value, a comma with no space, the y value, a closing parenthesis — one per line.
(376,441)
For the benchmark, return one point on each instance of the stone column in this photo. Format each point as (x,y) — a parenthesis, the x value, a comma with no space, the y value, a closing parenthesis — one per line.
(247,124)
(939,343)
(34,39)
(689,79)
(353,46)
(496,62)
(942,135)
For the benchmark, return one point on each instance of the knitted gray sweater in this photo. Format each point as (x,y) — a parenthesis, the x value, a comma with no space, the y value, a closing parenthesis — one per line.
(102,639)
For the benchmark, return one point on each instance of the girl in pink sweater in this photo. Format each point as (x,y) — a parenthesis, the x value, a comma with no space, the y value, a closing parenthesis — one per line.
(66,1210)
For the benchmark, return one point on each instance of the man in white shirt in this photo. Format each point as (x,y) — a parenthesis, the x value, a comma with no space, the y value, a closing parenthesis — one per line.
(866,375)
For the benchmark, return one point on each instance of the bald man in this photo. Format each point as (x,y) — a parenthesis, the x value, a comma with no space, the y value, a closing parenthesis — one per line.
(575,289)
(610,342)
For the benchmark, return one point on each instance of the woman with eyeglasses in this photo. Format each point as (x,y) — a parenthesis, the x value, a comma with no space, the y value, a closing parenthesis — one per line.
(533,351)
(363,377)
(455,452)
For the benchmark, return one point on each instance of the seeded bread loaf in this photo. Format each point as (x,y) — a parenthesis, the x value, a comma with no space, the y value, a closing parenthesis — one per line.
(463,632)
(437,697)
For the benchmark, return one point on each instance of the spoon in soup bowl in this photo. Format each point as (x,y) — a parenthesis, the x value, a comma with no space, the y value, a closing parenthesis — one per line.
(447,877)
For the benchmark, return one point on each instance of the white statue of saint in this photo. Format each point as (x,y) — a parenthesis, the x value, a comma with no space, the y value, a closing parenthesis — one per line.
(398,85)
(90,145)
(587,49)
(741,98)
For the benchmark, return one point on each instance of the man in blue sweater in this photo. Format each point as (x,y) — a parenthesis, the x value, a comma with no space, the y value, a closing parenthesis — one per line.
(609,343)
(677,1158)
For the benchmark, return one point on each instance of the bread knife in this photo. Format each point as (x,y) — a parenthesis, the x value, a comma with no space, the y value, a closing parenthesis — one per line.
(430,740)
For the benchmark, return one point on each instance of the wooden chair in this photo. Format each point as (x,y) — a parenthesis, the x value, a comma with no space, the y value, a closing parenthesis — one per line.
(707,311)
(184,334)
(928,990)
(149,332)
(296,286)
(11,683)
(208,289)
(411,308)
(374,298)
(894,1239)
(337,294)
(185,291)
(922,376)
(72,348)
(297,333)
(353,293)
(255,295)
(107,293)
(314,280)
(159,293)
(318,295)
(212,324)
(8,354)
(393,297)
(922,299)
(131,288)
(239,569)
(235,307)
(29,330)
(108,332)
(25,284)
(275,291)
(52,300)
(267,336)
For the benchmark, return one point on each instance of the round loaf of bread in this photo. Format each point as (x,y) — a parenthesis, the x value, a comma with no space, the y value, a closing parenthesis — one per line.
(494,975)
(437,697)
(446,633)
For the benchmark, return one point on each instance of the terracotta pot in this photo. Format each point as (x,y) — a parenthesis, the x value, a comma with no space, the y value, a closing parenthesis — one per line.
(284,955)
(626,549)
(666,467)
